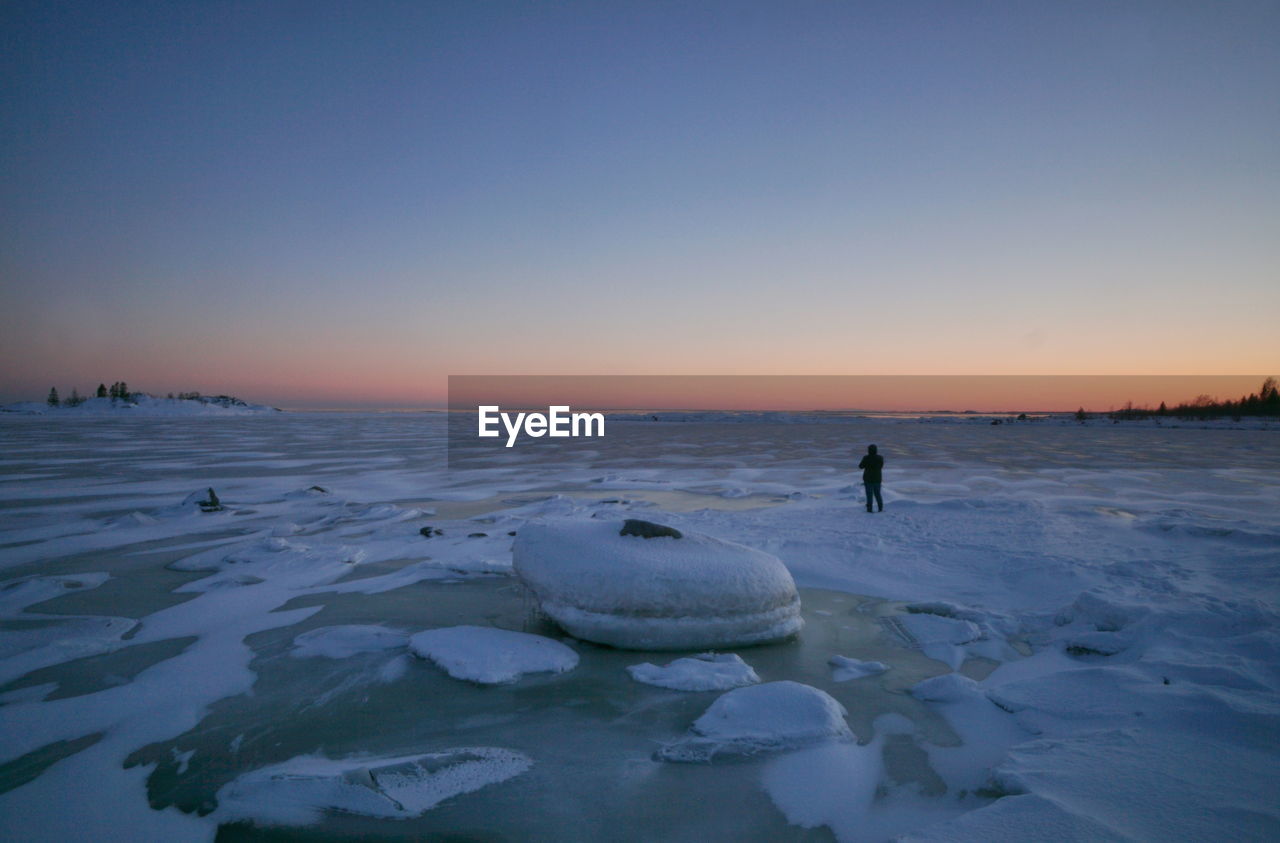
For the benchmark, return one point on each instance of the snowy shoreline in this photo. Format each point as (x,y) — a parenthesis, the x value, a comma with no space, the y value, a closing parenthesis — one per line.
(142,406)
(1031,419)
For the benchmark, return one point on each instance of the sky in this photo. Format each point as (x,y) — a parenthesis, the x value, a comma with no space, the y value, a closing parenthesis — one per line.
(316,204)
(909,393)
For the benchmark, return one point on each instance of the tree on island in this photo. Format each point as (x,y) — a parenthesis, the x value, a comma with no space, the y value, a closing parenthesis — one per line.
(1265,402)
(75,400)
(102,390)
(53,397)
(1081,415)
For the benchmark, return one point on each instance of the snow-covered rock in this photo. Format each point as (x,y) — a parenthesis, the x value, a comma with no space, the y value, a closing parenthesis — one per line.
(703,672)
(761,718)
(491,656)
(662,593)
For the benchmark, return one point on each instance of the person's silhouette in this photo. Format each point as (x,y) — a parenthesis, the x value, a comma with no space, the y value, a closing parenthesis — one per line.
(871,466)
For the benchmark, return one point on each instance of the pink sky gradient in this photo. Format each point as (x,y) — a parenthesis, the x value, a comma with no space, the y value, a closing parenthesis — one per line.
(799,393)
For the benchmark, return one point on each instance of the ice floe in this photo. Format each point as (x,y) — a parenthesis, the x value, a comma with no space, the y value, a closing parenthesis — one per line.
(761,718)
(844,668)
(340,642)
(703,672)
(300,790)
(491,656)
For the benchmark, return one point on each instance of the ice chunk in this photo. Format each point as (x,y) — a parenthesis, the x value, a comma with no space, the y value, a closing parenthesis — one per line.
(845,668)
(1103,613)
(491,656)
(300,790)
(703,672)
(340,642)
(832,784)
(939,637)
(287,563)
(949,687)
(935,629)
(761,718)
(133,519)
(205,501)
(661,593)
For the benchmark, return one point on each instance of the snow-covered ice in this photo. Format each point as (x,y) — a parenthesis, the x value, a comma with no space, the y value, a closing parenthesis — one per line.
(491,656)
(844,668)
(340,642)
(940,637)
(761,718)
(143,406)
(703,672)
(299,791)
(1078,622)
(655,593)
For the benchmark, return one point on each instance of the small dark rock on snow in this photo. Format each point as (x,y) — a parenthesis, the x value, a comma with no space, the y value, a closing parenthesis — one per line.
(210,503)
(478,535)
(648,529)
(428,532)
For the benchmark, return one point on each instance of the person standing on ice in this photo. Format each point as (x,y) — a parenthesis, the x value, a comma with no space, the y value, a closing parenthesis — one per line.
(871,465)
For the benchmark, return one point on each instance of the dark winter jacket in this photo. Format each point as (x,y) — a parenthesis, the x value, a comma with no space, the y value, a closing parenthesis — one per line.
(871,465)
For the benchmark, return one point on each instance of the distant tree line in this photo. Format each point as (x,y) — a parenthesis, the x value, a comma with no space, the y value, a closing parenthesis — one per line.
(1264,402)
(119,391)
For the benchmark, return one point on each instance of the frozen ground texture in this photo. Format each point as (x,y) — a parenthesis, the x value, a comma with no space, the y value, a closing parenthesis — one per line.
(1125,579)
(655,593)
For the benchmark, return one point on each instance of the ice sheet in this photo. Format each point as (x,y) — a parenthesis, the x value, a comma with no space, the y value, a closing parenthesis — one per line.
(1121,580)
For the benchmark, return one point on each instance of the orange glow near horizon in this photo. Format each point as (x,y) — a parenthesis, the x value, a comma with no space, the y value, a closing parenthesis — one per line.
(993,393)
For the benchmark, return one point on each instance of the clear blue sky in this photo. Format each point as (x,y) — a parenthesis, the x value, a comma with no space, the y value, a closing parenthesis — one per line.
(320,203)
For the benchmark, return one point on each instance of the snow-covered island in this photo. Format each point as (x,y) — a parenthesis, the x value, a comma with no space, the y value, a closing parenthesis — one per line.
(141,404)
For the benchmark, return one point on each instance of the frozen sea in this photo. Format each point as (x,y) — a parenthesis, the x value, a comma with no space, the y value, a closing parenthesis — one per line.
(1051,632)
